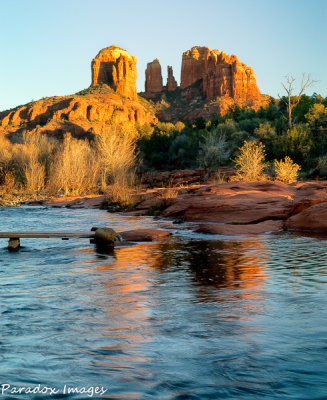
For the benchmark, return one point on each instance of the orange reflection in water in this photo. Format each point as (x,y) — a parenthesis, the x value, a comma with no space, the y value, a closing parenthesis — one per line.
(235,265)
(212,271)
(222,264)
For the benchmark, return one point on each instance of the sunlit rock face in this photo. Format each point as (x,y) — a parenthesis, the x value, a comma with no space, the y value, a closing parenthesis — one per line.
(117,68)
(153,77)
(221,75)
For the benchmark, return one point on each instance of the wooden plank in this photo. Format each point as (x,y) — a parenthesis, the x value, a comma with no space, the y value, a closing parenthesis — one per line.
(36,234)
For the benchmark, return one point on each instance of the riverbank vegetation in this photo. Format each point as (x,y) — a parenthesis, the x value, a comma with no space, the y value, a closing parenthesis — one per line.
(36,165)
(257,144)
(217,142)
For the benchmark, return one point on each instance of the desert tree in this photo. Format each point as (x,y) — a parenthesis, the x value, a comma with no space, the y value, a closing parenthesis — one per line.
(292,100)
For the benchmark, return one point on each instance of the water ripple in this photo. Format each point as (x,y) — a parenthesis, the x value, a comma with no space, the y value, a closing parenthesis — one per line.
(190,317)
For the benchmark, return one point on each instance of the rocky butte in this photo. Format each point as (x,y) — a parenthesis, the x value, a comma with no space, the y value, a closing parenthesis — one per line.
(115,67)
(111,99)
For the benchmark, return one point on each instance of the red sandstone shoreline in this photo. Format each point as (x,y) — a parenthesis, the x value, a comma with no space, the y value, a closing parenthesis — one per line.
(227,209)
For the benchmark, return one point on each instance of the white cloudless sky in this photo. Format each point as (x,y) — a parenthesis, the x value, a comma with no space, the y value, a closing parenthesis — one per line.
(47,46)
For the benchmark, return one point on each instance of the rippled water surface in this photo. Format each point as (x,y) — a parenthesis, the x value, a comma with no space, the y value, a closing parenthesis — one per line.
(190,317)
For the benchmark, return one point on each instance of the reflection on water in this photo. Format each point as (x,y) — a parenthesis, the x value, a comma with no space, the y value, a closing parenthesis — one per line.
(185,318)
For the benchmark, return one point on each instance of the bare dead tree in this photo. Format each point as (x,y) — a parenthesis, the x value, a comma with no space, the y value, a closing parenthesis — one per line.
(293,100)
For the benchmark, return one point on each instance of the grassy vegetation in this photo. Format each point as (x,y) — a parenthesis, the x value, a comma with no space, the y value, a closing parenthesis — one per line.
(38,166)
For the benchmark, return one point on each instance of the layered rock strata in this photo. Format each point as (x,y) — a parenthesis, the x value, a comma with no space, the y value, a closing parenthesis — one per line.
(153,77)
(117,68)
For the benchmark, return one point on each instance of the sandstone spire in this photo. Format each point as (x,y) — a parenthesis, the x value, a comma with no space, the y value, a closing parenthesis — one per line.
(171,81)
(117,68)
(153,77)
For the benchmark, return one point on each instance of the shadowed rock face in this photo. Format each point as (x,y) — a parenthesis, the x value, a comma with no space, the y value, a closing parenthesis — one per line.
(115,67)
(153,77)
(171,81)
(222,75)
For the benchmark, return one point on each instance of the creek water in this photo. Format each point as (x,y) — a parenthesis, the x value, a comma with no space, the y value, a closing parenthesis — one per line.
(189,317)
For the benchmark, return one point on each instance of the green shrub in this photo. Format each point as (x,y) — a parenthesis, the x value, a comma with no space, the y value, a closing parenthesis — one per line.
(214,151)
(296,143)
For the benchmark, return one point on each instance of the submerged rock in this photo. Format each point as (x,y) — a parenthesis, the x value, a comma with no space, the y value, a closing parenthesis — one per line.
(144,235)
(229,229)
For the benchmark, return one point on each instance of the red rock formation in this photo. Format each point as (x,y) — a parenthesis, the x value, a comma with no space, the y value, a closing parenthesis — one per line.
(115,67)
(171,81)
(221,75)
(153,77)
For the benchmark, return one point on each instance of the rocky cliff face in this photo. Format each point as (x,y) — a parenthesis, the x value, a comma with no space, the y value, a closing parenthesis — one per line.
(193,65)
(221,75)
(153,77)
(115,67)
(171,81)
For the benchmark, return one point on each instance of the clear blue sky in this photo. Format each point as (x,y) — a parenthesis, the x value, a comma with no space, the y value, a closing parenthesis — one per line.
(47,46)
